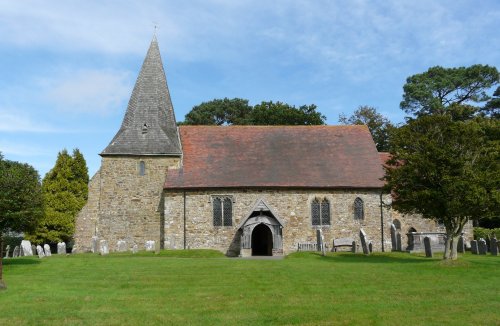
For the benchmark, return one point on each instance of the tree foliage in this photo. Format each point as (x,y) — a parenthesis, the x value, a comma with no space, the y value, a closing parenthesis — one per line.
(492,108)
(441,90)
(65,192)
(20,200)
(378,125)
(238,112)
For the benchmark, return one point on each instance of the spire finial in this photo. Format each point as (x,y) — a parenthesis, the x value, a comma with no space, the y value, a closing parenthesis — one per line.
(156,27)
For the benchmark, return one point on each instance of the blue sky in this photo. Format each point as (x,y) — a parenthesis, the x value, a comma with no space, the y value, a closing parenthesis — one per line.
(67,68)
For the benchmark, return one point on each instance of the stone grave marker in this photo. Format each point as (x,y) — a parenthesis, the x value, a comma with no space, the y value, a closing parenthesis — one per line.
(320,241)
(150,245)
(103,247)
(394,242)
(7,249)
(46,248)
(494,246)
(353,248)
(398,242)
(428,247)
(39,251)
(121,246)
(474,248)
(93,245)
(61,248)
(364,242)
(483,248)
(26,245)
(33,249)
(461,244)
(21,251)
(135,248)
(15,253)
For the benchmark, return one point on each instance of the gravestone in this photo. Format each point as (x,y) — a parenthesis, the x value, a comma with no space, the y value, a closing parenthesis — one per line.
(15,253)
(150,245)
(61,248)
(26,245)
(483,248)
(461,244)
(320,241)
(353,248)
(7,249)
(474,248)
(33,249)
(494,246)
(135,249)
(394,242)
(428,247)
(103,247)
(364,242)
(93,245)
(121,246)
(46,248)
(39,251)
(21,251)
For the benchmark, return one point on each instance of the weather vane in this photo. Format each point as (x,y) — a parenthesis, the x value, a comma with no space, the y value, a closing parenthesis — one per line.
(156,26)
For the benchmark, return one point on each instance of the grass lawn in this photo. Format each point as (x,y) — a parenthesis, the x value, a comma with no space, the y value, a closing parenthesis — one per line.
(203,288)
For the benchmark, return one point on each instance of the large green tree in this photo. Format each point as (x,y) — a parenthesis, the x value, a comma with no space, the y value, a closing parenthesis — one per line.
(20,200)
(65,192)
(238,112)
(378,125)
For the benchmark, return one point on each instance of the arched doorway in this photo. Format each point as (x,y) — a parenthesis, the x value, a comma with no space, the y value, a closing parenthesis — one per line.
(262,241)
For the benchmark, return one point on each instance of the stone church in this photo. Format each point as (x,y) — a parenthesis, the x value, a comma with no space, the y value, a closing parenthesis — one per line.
(243,190)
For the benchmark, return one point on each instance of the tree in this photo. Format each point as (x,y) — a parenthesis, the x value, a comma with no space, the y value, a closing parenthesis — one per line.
(441,90)
(65,192)
(238,112)
(377,124)
(492,108)
(20,200)
(446,170)
(219,112)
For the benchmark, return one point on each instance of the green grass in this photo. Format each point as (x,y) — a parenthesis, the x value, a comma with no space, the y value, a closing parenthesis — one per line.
(198,287)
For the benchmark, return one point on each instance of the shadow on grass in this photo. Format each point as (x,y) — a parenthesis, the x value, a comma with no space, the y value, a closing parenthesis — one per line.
(20,261)
(382,258)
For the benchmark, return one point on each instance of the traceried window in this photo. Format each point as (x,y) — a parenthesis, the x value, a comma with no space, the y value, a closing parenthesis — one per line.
(223,211)
(320,212)
(359,211)
(142,168)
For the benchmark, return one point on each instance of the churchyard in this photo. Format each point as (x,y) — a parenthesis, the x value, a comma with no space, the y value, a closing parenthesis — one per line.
(203,287)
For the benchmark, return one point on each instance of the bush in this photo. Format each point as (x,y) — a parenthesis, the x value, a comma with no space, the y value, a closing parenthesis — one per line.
(486,234)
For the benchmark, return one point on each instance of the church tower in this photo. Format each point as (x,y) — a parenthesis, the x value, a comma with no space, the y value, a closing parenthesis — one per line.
(125,195)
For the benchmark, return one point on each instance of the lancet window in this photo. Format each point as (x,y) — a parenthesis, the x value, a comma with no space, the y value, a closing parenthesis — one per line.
(222,211)
(320,212)
(359,211)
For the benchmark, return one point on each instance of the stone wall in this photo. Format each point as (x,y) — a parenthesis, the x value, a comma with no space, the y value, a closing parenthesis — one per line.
(129,205)
(293,207)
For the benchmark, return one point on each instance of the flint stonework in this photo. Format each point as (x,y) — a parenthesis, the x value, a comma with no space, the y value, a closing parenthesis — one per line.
(103,247)
(428,247)
(46,249)
(61,248)
(474,247)
(483,248)
(26,245)
(39,251)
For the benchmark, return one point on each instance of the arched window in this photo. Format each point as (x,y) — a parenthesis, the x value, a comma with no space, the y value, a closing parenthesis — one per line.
(320,212)
(142,168)
(397,224)
(223,211)
(359,211)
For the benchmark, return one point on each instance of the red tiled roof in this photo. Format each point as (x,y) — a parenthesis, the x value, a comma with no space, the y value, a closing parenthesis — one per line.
(276,156)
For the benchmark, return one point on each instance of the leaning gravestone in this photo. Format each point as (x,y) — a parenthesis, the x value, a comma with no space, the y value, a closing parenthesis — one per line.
(26,245)
(428,247)
(46,248)
(15,253)
(61,248)
(39,251)
(474,248)
(394,242)
(103,247)
(150,245)
(93,245)
(483,248)
(461,244)
(135,249)
(7,249)
(121,246)
(364,242)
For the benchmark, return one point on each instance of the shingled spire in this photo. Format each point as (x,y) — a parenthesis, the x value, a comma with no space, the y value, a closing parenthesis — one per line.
(149,126)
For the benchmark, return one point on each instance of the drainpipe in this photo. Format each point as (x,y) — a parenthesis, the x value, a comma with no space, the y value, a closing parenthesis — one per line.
(382,221)
(184,210)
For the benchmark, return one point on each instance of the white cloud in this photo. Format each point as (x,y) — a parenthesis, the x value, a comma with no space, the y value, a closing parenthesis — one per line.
(18,121)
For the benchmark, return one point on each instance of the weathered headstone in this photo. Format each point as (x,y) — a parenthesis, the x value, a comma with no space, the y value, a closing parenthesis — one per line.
(135,248)
(103,247)
(121,246)
(364,242)
(461,244)
(353,248)
(15,253)
(7,249)
(26,245)
(428,247)
(474,248)
(21,251)
(39,251)
(46,248)
(394,242)
(93,245)
(61,248)
(398,242)
(494,246)
(483,248)
(320,241)
(33,249)
(150,245)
